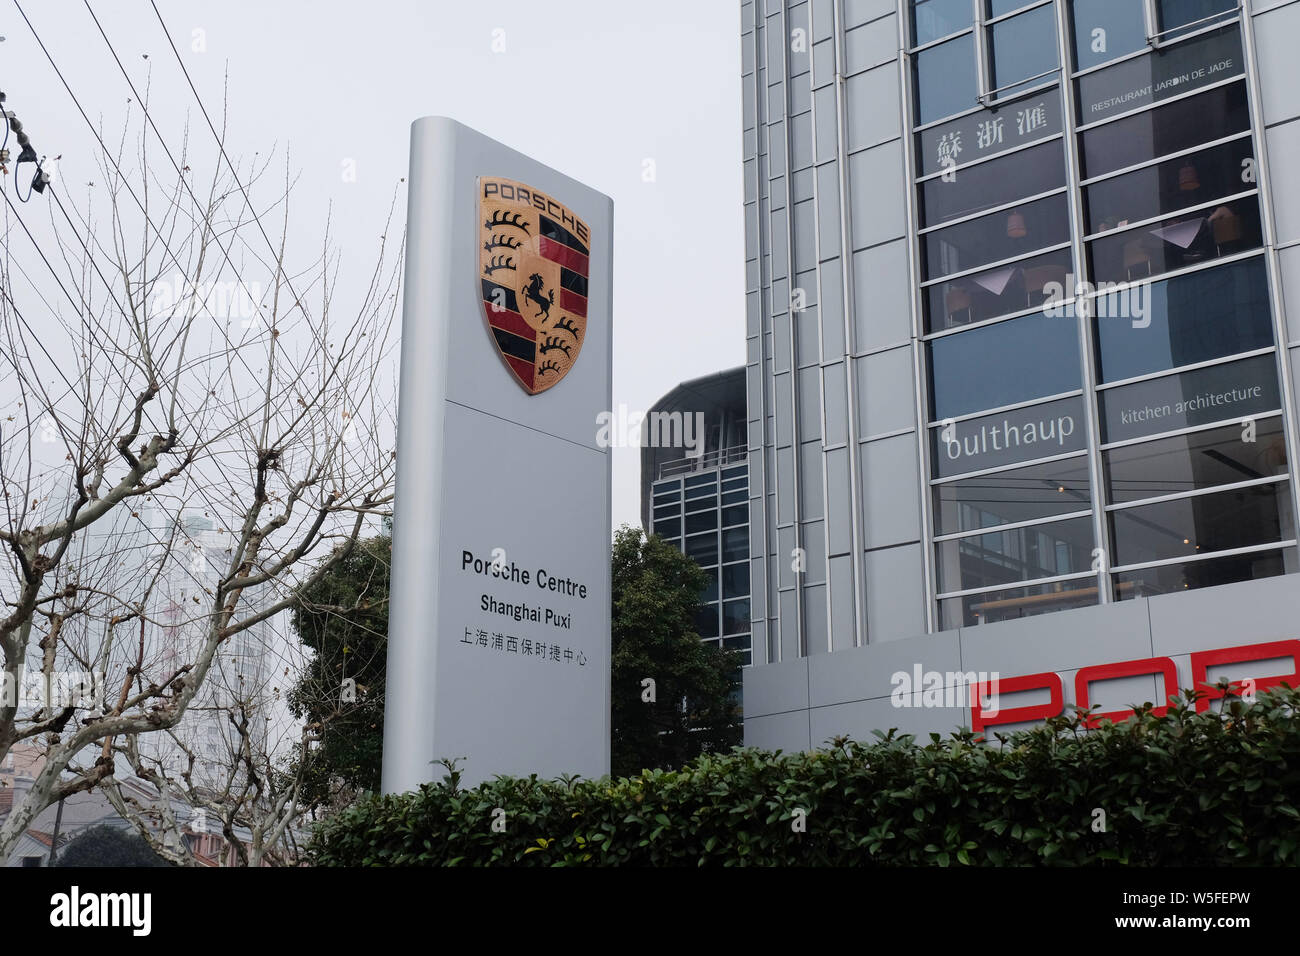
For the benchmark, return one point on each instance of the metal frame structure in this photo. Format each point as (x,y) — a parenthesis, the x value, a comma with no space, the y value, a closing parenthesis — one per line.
(1092,387)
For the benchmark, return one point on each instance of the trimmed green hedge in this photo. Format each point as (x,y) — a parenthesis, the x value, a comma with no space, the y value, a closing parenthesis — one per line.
(1179,789)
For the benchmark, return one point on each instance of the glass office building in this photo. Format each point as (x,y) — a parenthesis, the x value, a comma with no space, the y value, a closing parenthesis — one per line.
(699,502)
(1019,379)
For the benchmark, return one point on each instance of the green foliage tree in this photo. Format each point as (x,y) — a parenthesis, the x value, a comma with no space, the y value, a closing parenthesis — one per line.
(656,593)
(107,846)
(343,617)
(1183,788)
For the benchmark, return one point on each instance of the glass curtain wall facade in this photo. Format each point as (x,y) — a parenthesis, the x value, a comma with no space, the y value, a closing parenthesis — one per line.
(697,498)
(705,514)
(1102,377)
(1016,336)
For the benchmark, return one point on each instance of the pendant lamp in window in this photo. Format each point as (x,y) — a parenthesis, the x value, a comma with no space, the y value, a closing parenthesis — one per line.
(1016,228)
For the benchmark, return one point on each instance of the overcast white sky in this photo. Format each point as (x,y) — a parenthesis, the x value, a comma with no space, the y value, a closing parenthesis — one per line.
(336,81)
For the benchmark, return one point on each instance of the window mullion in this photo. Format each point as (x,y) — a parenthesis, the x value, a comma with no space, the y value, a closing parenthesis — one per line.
(983,68)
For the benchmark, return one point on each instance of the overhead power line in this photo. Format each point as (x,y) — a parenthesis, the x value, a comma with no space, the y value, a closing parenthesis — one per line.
(225,252)
(215,135)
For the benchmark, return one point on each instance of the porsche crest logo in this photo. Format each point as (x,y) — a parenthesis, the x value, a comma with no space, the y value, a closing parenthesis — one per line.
(534,260)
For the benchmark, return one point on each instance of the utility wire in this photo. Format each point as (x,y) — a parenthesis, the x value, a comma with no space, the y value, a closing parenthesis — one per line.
(53,272)
(255,217)
(275,652)
(171,158)
(14,305)
(126,182)
(175,165)
(82,308)
(215,135)
(71,387)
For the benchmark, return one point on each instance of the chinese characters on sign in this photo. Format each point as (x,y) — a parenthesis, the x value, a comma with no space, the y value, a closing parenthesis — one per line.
(523,646)
(989,132)
(949,148)
(1031,118)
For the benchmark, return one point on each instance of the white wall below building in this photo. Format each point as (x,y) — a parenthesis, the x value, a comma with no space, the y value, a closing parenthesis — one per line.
(795,705)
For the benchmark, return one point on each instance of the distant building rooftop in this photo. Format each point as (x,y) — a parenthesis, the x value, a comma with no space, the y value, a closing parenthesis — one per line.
(720,399)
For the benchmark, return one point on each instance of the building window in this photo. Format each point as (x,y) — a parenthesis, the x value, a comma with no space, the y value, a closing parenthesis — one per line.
(703,549)
(1007,163)
(739,643)
(1206,232)
(1105,30)
(1172,128)
(1000,8)
(1228,391)
(1202,524)
(1003,364)
(1167,73)
(724,598)
(735,544)
(948,149)
(709,478)
(936,19)
(704,521)
(706,621)
(1011,437)
(973,189)
(710,593)
(1190,436)
(1012,496)
(953,74)
(735,616)
(1006,234)
(735,580)
(1191,198)
(1192,14)
(1169,186)
(668,528)
(1022,49)
(1011,556)
(1003,289)
(1188,319)
(1232,454)
(946,80)
(667,517)
(1011,603)
(1183,576)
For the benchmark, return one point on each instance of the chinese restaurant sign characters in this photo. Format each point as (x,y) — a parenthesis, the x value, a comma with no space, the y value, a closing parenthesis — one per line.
(990,132)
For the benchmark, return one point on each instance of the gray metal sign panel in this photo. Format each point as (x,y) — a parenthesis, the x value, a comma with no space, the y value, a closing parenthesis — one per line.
(499,621)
